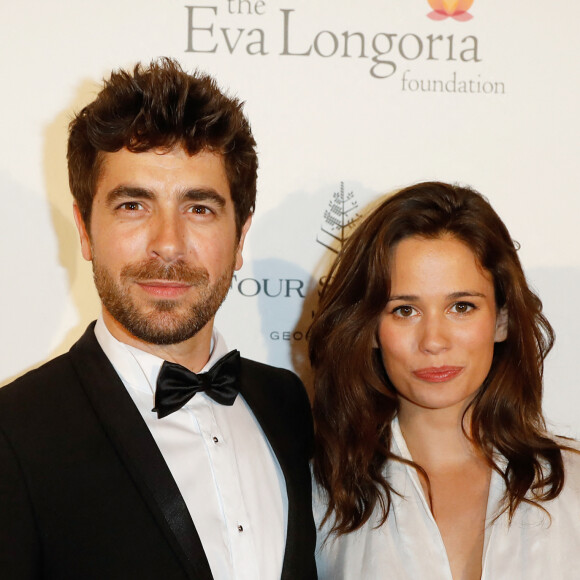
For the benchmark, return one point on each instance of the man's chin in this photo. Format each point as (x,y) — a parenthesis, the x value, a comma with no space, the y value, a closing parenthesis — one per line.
(161,321)
(162,335)
(167,324)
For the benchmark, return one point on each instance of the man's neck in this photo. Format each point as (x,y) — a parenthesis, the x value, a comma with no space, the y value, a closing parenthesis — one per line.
(192,353)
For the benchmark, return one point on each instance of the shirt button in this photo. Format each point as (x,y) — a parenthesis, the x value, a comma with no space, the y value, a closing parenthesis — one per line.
(215,440)
(240,528)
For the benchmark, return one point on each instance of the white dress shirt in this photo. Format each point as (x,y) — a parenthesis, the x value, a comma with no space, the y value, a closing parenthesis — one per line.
(408,546)
(222,463)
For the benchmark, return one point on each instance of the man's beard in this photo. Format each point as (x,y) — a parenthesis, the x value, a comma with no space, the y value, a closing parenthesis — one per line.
(161,321)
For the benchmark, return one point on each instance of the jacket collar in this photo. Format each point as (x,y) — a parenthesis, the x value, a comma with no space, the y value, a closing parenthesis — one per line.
(139,452)
(287,424)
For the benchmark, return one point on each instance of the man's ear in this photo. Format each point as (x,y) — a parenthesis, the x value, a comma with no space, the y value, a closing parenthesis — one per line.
(239,257)
(501,325)
(86,250)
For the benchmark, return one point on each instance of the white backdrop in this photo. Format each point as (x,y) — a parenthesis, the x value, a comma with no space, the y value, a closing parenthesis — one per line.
(347,100)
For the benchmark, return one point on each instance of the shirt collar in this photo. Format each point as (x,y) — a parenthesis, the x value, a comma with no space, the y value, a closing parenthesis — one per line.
(139,369)
(398,444)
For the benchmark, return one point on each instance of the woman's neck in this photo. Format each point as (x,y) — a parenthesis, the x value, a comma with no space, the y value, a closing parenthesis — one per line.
(435,437)
(457,483)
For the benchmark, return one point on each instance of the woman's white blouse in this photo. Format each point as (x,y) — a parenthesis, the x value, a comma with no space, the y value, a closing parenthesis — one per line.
(408,546)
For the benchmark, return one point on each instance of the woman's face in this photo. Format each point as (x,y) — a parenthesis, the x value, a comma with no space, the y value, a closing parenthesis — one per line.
(438,330)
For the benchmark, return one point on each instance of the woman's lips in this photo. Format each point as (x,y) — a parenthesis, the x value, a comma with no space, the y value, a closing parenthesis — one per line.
(438,374)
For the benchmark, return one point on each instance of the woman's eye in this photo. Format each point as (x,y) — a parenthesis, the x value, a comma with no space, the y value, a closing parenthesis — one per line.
(404,311)
(462,307)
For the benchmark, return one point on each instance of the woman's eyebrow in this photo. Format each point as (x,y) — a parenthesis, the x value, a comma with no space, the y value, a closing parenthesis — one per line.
(452,296)
(406,297)
(465,294)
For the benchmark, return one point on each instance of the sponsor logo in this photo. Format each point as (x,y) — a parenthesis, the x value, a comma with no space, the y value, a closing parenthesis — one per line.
(257,29)
(269,287)
(281,299)
(287,335)
(456,9)
(339,218)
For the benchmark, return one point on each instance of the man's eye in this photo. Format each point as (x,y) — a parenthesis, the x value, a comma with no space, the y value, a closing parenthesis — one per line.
(131,205)
(200,210)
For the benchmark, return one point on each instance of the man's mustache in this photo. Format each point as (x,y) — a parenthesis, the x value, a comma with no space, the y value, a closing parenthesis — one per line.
(177,271)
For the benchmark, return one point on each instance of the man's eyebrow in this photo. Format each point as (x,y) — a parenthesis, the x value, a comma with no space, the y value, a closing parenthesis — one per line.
(452,296)
(193,194)
(128,192)
(203,194)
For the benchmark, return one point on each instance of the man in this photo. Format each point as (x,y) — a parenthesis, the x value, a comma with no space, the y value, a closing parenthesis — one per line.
(113,463)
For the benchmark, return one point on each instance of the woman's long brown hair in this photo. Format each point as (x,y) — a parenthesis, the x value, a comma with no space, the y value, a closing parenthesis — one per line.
(354,400)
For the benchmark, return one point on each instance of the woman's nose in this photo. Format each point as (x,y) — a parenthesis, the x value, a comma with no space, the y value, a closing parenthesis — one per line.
(434,336)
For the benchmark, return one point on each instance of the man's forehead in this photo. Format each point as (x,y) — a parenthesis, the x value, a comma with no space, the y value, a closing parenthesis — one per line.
(163,165)
(177,151)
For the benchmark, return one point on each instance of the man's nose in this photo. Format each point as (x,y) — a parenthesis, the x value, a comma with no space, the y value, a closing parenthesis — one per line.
(168,236)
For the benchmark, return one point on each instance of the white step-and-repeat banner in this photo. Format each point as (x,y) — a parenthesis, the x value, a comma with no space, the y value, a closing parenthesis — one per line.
(348,101)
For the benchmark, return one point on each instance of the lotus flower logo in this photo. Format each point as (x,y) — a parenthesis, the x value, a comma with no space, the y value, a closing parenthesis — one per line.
(456,9)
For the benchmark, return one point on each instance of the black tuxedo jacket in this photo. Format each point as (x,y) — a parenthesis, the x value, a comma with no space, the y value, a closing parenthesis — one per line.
(86,494)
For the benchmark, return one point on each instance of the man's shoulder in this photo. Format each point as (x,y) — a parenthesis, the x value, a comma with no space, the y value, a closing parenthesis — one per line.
(279,386)
(278,397)
(36,401)
(43,383)
(258,369)
(37,378)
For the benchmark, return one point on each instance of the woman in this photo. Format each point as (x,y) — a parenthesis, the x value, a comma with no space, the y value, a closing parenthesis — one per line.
(432,458)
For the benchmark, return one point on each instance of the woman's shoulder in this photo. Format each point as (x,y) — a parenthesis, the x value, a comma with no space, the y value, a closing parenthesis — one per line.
(570,448)
(571,457)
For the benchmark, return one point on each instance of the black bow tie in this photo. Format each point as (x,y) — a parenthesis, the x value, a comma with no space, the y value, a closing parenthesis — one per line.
(176,385)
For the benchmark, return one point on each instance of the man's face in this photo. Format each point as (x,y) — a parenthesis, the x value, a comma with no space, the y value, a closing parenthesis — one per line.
(162,241)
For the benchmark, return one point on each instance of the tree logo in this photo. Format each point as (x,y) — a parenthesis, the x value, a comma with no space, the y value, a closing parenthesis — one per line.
(456,9)
(338,220)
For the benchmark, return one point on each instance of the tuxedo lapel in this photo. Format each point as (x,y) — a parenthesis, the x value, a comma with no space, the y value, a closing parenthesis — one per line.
(288,427)
(139,452)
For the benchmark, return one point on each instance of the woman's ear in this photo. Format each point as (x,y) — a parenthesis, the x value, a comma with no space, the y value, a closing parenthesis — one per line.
(376,343)
(501,325)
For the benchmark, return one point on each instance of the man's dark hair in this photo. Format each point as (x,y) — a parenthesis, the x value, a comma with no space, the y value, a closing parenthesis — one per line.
(161,107)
